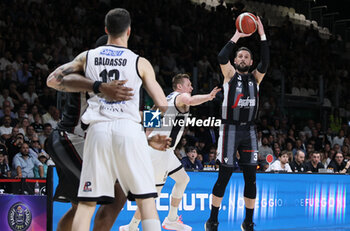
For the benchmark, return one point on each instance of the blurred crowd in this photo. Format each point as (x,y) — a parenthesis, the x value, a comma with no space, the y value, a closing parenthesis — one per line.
(177,37)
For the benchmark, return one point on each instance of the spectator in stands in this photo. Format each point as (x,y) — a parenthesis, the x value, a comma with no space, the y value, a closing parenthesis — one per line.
(281,164)
(291,137)
(6,129)
(18,63)
(37,124)
(33,111)
(324,158)
(315,163)
(290,156)
(5,60)
(298,146)
(23,75)
(30,132)
(211,159)
(309,150)
(204,68)
(15,95)
(4,167)
(336,148)
(181,146)
(264,150)
(6,96)
(298,165)
(264,127)
(14,146)
(46,134)
(276,150)
(308,128)
(23,164)
(42,157)
(52,116)
(23,124)
(303,139)
(339,139)
(316,139)
(6,110)
(337,164)
(30,97)
(191,161)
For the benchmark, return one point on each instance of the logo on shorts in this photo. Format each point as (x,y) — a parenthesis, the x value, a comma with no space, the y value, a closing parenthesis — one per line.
(87,186)
(19,217)
(151,119)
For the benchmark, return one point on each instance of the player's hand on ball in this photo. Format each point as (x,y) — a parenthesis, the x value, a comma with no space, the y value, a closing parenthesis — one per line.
(159,142)
(116,91)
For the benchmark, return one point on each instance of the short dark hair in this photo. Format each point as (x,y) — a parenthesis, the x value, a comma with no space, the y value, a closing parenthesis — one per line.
(190,149)
(244,49)
(117,21)
(177,79)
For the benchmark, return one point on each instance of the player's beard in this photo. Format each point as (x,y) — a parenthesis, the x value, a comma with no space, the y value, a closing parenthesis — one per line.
(241,68)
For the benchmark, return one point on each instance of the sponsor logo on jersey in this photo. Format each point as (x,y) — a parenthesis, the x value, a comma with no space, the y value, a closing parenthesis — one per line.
(19,217)
(243,102)
(87,186)
(151,119)
(110,52)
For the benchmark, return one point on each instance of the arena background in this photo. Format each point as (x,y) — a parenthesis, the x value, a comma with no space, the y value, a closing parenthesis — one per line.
(315,58)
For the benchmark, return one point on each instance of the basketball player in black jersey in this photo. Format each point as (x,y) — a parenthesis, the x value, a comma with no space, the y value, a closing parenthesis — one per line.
(238,131)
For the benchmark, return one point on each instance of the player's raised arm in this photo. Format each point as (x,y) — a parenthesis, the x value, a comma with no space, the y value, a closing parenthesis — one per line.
(151,85)
(227,68)
(261,69)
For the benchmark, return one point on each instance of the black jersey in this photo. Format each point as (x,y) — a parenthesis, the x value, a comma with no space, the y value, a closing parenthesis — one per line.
(74,106)
(241,94)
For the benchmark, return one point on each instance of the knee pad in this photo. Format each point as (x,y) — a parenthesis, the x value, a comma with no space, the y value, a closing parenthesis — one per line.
(179,187)
(222,181)
(249,174)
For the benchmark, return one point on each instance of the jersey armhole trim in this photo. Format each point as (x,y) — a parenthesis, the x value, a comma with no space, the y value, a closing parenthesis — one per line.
(86,62)
(176,106)
(137,69)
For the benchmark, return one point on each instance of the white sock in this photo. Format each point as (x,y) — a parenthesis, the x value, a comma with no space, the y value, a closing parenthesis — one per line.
(172,216)
(151,225)
(134,224)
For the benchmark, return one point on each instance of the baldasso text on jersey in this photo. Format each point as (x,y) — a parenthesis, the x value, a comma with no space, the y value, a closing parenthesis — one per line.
(110,62)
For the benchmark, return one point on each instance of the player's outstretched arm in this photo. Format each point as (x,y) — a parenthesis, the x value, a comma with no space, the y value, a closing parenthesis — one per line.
(227,68)
(187,99)
(261,69)
(151,85)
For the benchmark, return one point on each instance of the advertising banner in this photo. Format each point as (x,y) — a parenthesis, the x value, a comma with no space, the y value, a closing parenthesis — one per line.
(22,212)
(284,201)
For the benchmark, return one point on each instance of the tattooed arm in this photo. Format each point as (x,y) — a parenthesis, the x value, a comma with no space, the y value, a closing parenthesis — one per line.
(66,78)
(76,83)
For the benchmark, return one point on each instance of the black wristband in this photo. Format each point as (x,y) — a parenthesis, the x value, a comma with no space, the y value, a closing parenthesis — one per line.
(96,86)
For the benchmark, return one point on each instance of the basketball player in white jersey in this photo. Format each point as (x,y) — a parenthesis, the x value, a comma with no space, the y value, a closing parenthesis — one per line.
(116,145)
(66,143)
(165,163)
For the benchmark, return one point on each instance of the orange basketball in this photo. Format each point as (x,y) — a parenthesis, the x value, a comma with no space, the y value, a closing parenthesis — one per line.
(246,23)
